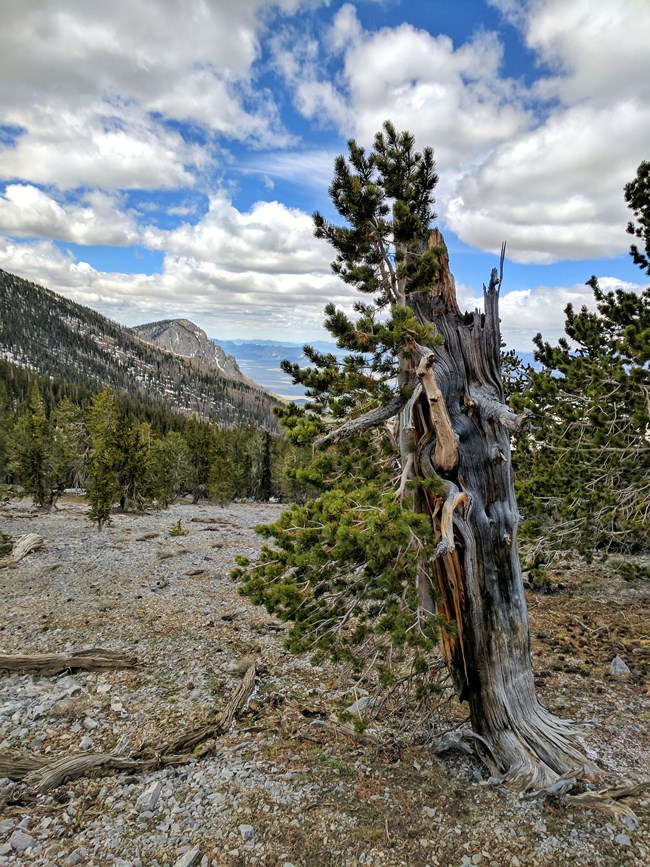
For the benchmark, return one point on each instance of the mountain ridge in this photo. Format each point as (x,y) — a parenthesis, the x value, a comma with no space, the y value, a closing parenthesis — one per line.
(183,337)
(54,336)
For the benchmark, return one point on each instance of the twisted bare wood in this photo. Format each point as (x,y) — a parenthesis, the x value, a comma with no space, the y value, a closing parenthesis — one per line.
(41,774)
(95,659)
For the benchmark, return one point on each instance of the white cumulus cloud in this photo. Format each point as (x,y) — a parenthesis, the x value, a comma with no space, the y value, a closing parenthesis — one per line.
(27,212)
(93,86)
(555,190)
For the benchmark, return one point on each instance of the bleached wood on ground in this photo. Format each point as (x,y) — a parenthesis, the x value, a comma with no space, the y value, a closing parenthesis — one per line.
(188,747)
(23,546)
(95,659)
(15,766)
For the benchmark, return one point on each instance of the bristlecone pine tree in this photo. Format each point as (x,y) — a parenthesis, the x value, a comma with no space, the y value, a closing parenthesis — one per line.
(451,557)
(105,456)
(28,449)
(583,469)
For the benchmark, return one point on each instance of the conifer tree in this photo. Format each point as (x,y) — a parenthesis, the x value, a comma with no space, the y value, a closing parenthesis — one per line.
(637,195)
(584,468)
(201,440)
(67,446)
(265,489)
(171,467)
(437,544)
(104,458)
(221,485)
(28,452)
(134,465)
(6,425)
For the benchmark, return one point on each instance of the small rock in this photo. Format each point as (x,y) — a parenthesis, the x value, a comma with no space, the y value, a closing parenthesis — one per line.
(359,705)
(622,840)
(6,825)
(148,800)
(631,822)
(189,858)
(247,831)
(90,724)
(19,841)
(86,743)
(6,849)
(618,667)
(429,811)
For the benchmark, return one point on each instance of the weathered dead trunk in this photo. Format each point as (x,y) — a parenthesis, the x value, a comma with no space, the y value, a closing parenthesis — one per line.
(47,664)
(461,429)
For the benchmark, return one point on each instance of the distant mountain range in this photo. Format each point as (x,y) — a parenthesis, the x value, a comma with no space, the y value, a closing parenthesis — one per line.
(171,362)
(260,360)
(57,338)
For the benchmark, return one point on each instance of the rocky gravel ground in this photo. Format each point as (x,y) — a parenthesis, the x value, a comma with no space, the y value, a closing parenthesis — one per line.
(288,784)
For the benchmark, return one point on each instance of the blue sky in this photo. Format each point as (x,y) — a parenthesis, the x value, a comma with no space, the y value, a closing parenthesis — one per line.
(162,158)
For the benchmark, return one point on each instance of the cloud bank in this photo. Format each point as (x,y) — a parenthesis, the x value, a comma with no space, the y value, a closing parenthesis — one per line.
(142,127)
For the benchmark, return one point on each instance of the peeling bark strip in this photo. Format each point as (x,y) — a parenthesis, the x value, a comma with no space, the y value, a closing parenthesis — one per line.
(95,659)
(446,442)
(42,774)
(460,436)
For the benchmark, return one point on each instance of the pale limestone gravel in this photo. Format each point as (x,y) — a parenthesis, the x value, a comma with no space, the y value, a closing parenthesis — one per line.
(283,787)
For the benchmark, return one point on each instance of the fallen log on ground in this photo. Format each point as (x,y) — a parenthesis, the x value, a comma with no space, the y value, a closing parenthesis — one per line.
(48,774)
(95,659)
(15,766)
(23,546)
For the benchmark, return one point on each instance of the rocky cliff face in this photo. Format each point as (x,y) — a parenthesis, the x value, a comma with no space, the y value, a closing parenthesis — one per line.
(183,337)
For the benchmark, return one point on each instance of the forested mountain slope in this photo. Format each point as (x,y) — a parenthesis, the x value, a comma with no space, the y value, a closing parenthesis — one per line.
(64,340)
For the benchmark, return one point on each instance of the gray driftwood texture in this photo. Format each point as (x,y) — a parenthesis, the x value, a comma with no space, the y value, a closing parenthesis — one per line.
(460,429)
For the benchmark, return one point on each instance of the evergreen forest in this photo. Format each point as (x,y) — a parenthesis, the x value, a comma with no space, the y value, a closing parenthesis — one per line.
(131,455)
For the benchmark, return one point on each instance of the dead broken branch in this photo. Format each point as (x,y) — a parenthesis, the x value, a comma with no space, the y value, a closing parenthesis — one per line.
(608,800)
(43,775)
(95,659)
(23,546)
(362,423)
